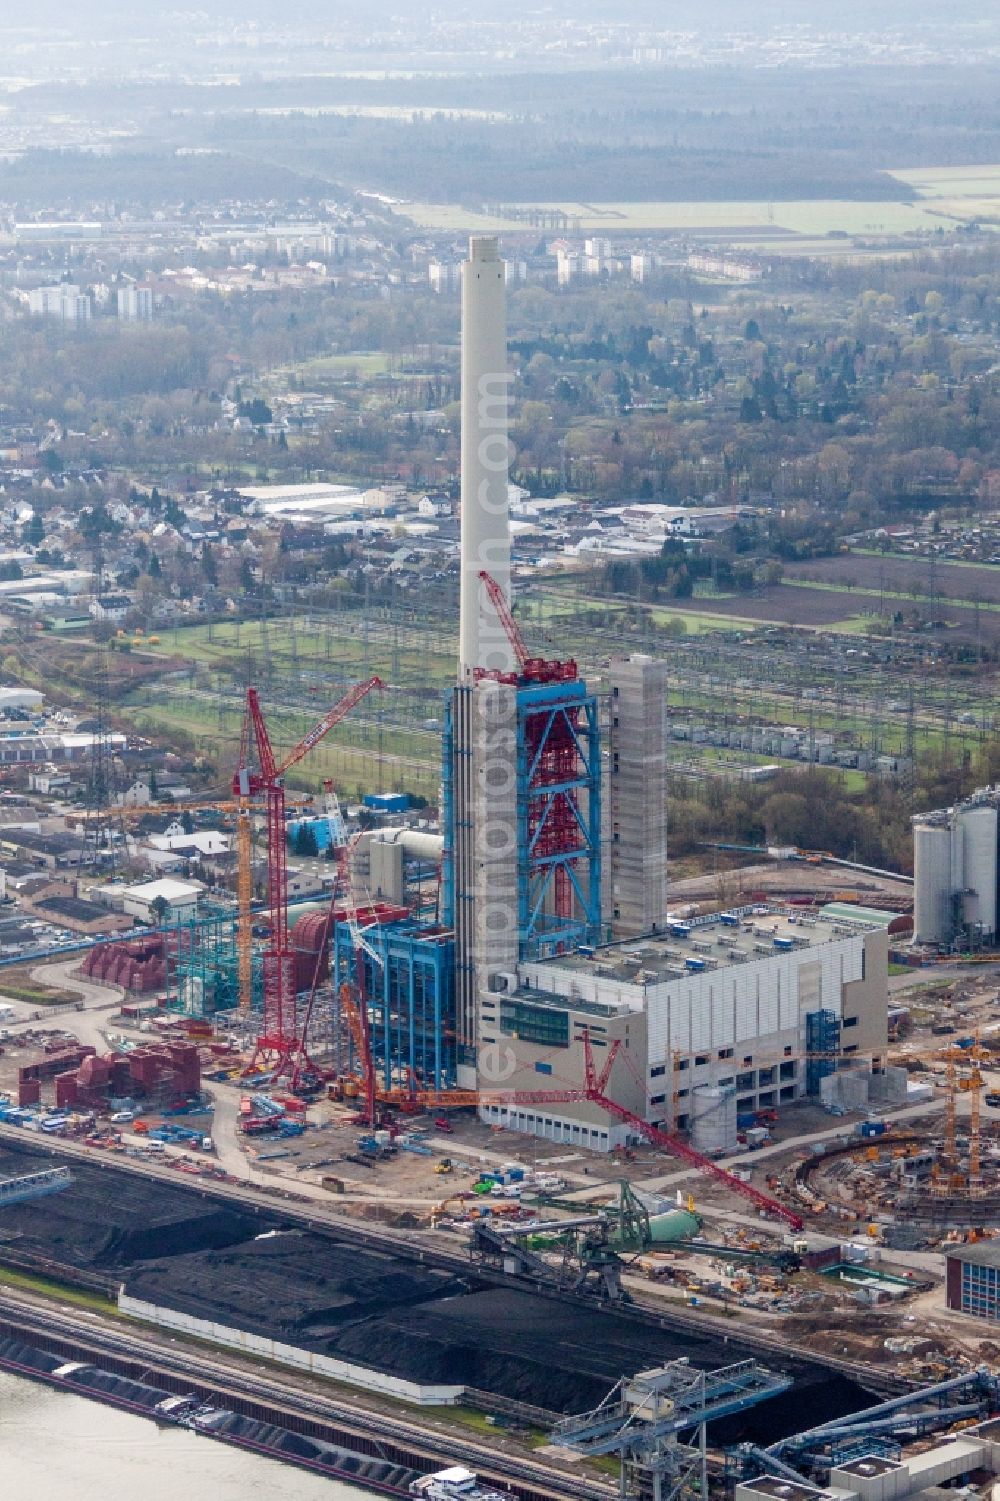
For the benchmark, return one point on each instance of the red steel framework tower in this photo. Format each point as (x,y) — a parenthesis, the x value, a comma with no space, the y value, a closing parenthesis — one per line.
(278,1044)
(558,773)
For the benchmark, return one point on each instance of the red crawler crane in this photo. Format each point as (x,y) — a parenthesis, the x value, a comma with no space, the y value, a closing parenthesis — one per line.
(772,1207)
(278,1045)
(593,1092)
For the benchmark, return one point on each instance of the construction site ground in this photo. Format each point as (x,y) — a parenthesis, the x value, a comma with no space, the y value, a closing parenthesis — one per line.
(407,1192)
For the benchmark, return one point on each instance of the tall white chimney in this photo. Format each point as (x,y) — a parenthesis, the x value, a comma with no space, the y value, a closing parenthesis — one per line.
(485,458)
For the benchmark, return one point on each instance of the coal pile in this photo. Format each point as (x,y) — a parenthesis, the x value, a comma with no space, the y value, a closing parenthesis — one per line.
(178,1247)
(110,1220)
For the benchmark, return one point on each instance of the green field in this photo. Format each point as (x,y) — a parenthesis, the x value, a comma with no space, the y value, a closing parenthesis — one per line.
(942,198)
(345,364)
(350,756)
(742,220)
(335,648)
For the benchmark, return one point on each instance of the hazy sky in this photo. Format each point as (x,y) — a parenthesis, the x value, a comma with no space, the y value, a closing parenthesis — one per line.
(830,15)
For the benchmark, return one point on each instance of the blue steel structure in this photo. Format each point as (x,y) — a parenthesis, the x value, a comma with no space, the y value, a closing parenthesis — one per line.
(973,1394)
(558,813)
(558,817)
(409,992)
(822,1038)
(50,1180)
(656,1423)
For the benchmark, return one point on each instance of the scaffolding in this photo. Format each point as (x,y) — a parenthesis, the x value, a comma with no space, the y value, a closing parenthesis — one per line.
(822,1048)
(409,991)
(558,813)
(559,817)
(203,963)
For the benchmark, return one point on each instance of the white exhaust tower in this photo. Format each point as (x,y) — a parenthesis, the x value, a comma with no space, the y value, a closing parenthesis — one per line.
(485,458)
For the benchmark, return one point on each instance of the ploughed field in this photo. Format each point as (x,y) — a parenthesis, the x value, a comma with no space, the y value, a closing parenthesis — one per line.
(179,1247)
(897,575)
(826,591)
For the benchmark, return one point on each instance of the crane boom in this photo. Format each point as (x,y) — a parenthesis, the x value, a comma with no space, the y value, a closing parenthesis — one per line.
(536,669)
(278,1041)
(330,719)
(772,1207)
(593,1093)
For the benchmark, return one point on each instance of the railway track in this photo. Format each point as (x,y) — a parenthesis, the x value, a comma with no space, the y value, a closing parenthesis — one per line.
(90,1334)
(317,1216)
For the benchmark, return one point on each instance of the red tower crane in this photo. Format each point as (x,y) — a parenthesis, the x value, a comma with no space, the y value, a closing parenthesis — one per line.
(535,669)
(278,1044)
(555,825)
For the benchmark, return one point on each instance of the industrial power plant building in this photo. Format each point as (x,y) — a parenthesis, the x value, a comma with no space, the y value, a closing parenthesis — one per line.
(733,1013)
(955,857)
(552,941)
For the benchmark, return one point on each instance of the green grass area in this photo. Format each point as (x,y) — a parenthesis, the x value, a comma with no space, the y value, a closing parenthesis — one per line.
(899,969)
(36,995)
(854,781)
(698,622)
(62,1292)
(407,763)
(335,648)
(363,363)
(859,625)
(746,220)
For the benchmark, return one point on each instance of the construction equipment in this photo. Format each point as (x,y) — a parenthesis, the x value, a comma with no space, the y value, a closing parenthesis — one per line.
(656,1424)
(278,1045)
(34,1185)
(593,1092)
(534,669)
(242,808)
(562,803)
(972,1394)
(358,1022)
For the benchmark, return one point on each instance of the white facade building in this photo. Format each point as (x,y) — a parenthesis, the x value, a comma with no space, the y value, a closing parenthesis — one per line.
(141,901)
(733,1002)
(444,277)
(64,302)
(134,304)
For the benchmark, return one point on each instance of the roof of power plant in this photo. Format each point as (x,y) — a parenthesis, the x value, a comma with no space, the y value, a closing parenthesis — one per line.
(740,936)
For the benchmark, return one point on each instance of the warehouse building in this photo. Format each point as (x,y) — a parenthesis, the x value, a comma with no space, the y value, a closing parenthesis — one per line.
(972,1281)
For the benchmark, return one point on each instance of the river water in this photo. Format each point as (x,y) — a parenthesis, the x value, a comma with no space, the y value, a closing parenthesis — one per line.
(58,1447)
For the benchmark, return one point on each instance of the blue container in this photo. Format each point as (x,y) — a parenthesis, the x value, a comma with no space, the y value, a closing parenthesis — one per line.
(387,802)
(744,1122)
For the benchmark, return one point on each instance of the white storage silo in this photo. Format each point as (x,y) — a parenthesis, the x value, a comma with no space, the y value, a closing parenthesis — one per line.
(979,876)
(713,1118)
(932,883)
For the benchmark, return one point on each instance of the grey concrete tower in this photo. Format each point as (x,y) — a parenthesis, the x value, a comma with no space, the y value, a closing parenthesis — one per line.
(482,717)
(485,457)
(635,862)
